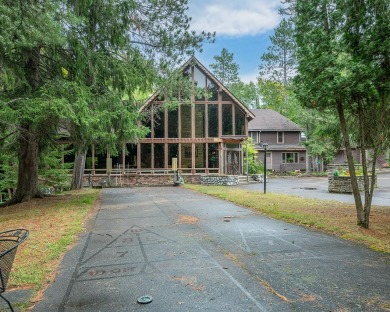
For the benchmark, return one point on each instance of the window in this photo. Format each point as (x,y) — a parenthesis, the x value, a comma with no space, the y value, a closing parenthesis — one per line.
(172,152)
(212,91)
(290,158)
(159,156)
(159,118)
(100,158)
(173,123)
(213,155)
(188,73)
(227,119)
(148,124)
(200,84)
(280,137)
(200,121)
(131,156)
(200,155)
(213,120)
(186,156)
(254,137)
(146,151)
(225,97)
(240,121)
(185,121)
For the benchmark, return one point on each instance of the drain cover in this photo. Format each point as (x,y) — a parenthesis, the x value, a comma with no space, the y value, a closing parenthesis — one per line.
(309,188)
(145,299)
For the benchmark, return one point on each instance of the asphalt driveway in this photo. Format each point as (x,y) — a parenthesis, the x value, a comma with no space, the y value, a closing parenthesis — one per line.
(317,187)
(191,252)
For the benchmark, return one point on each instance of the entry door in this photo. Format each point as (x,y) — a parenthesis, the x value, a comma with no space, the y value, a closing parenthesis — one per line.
(232,162)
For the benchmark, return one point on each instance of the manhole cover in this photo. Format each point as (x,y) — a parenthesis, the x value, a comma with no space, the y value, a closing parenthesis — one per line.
(145,299)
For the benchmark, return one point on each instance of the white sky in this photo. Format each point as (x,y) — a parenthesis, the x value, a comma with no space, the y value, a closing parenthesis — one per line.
(234,17)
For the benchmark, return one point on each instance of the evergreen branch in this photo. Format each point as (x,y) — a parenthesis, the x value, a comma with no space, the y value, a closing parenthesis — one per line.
(7,136)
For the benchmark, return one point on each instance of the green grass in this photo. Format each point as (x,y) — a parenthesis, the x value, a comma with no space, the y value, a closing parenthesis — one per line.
(54,223)
(328,216)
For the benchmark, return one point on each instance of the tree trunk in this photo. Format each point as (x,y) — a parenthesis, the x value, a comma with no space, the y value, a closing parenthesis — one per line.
(351,165)
(285,81)
(78,168)
(368,185)
(308,164)
(27,186)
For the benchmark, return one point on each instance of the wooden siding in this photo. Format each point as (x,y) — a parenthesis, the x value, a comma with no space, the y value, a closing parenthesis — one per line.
(292,138)
(276,157)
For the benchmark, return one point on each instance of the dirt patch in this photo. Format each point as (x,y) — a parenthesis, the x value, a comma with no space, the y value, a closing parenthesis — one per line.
(272,290)
(234,258)
(189,281)
(187,219)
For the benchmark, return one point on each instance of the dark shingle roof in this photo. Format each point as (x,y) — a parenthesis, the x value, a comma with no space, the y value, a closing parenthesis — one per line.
(270,120)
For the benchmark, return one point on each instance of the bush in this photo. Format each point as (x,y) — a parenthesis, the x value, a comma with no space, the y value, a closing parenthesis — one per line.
(255,166)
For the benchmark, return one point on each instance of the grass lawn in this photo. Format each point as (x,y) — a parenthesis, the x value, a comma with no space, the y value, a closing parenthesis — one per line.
(328,216)
(54,223)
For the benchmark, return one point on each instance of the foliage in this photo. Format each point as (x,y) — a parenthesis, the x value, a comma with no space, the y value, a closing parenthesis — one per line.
(344,66)
(8,172)
(255,166)
(77,65)
(246,93)
(279,62)
(323,136)
(225,69)
(276,90)
(53,173)
(278,67)
(345,172)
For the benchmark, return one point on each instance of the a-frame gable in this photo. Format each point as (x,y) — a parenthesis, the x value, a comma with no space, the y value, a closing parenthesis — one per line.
(193,61)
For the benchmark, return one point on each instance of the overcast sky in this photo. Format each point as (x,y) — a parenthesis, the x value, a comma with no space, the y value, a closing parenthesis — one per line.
(243,27)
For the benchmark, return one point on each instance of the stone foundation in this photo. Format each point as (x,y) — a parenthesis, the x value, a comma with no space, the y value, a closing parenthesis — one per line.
(137,180)
(219,180)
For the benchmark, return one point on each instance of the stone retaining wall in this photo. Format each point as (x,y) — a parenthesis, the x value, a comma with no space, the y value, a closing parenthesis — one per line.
(219,180)
(341,184)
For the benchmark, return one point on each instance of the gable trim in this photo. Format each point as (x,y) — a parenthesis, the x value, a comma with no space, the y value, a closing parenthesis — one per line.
(192,62)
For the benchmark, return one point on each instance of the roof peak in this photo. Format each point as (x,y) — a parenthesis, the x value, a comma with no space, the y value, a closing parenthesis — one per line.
(269,119)
(194,61)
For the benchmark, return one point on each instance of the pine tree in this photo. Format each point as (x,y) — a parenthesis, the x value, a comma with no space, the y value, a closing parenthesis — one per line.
(30,37)
(344,66)
(76,64)
(225,69)
(279,63)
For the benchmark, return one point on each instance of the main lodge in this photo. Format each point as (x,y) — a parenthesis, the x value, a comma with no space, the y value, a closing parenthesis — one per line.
(205,137)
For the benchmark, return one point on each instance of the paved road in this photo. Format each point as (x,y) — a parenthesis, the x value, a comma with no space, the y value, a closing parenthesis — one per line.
(317,187)
(191,252)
